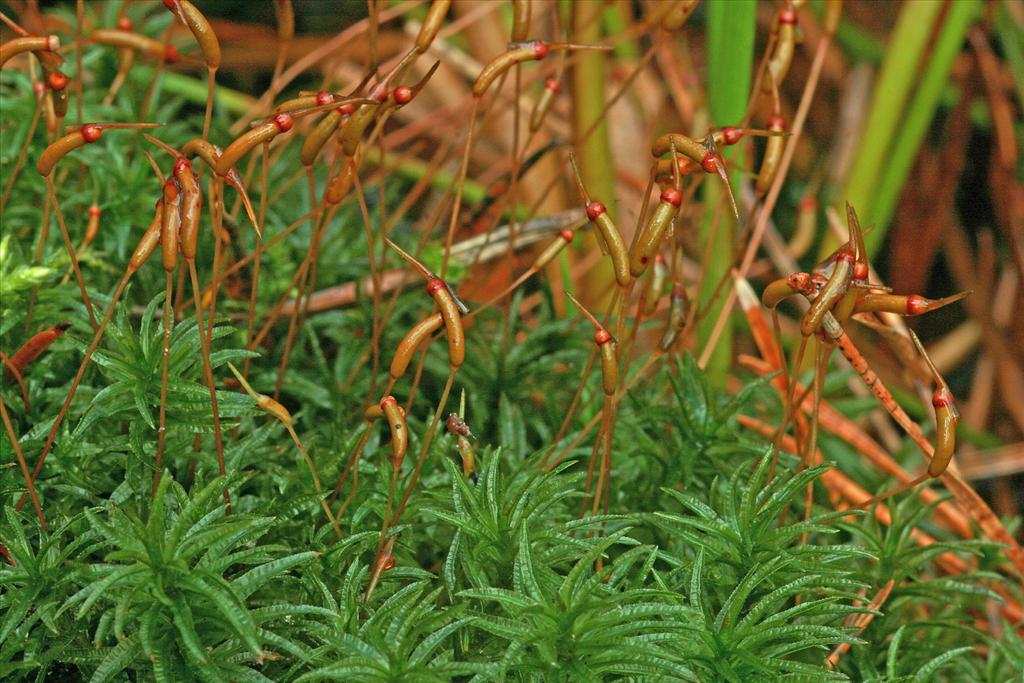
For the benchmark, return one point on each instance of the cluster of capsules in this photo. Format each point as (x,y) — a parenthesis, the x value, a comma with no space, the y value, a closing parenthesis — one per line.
(350,119)
(838,289)
(175,225)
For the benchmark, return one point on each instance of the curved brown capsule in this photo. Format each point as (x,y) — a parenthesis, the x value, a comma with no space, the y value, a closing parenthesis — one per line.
(411,341)
(361,118)
(341,184)
(547,97)
(783,288)
(655,284)
(946,417)
(517,54)
(785,45)
(65,145)
(16,46)
(834,290)
(683,144)
(452,317)
(34,347)
(606,348)
(113,37)
(565,237)
(200,28)
(451,309)
(191,207)
(170,229)
(240,146)
(909,305)
(521,10)
(612,241)
(92,227)
(468,456)
(59,93)
(88,133)
(664,173)
(319,136)
(149,241)
(772,156)
(609,361)
(304,102)
(432,24)
(649,240)
(210,153)
(399,430)
(678,309)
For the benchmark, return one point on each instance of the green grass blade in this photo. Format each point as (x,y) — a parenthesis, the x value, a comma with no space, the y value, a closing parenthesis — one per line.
(919,116)
(900,72)
(730,30)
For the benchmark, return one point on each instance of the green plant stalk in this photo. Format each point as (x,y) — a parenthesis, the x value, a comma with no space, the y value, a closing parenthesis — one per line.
(920,113)
(595,157)
(907,46)
(616,20)
(730,31)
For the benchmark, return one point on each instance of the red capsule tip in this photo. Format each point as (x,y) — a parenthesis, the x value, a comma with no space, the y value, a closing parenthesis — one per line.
(389,562)
(553,85)
(346,109)
(324,98)
(658,258)
(435,285)
(171,55)
(787,16)
(917,304)
(809,203)
(90,132)
(677,290)
(860,270)
(710,163)
(58,80)
(847,256)
(283,122)
(94,210)
(672,196)
(595,209)
(799,281)
(124,23)
(379,92)
(387,401)
(942,398)
(540,49)
(602,337)
(566,234)
(732,135)
(403,95)
(777,123)
(171,4)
